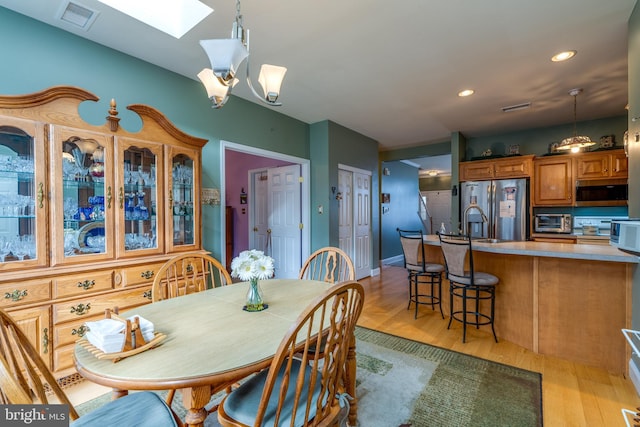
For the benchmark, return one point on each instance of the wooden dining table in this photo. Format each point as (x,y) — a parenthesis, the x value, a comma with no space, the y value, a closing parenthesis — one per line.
(210,341)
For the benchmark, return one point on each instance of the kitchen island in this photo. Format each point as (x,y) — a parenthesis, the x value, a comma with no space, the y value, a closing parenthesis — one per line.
(564,300)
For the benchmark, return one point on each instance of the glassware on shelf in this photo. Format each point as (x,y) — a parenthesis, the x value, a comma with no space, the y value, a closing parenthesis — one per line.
(71,241)
(5,247)
(140,211)
(130,207)
(70,209)
(20,247)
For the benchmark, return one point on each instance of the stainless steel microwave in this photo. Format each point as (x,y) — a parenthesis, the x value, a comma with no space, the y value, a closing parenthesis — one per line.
(602,192)
(553,223)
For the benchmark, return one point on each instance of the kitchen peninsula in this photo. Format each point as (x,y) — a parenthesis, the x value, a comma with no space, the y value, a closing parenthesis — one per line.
(564,300)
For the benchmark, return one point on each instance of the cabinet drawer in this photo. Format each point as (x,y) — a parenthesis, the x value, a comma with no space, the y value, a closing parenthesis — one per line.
(70,332)
(63,358)
(24,292)
(86,308)
(84,283)
(139,274)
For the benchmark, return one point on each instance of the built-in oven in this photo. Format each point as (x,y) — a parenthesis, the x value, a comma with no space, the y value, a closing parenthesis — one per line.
(553,223)
(602,192)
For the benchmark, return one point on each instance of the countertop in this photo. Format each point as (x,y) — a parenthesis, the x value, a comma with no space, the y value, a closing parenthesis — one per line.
(544,249)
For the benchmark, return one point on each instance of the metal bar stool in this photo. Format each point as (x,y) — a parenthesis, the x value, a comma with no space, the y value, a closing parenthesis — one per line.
(468,285)
(420,272)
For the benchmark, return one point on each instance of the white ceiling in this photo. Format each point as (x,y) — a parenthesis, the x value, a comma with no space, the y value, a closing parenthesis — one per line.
(391,69)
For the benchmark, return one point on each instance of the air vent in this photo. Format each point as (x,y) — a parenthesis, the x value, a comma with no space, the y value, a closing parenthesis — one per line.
(517,107)
(78,15)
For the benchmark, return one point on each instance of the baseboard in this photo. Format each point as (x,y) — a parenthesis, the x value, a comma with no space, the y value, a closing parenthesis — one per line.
(634,375)
(375,272)
(393,260)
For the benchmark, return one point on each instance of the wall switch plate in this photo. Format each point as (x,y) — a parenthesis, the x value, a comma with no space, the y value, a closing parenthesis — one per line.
(320,209)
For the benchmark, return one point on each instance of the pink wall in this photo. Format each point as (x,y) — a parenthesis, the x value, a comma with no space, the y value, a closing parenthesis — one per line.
(236,178)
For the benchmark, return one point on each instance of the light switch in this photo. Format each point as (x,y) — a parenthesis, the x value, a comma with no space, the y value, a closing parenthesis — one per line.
(320,209)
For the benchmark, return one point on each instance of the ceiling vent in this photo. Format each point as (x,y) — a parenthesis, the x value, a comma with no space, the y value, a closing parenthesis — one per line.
(517,107)
(78,15)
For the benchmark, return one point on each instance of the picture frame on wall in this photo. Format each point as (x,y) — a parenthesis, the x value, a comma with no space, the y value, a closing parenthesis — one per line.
(385,197)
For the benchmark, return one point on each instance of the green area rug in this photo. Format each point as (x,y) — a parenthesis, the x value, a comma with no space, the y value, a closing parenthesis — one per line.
(402,382)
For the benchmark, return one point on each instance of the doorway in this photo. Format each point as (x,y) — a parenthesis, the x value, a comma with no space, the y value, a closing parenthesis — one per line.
(249,178)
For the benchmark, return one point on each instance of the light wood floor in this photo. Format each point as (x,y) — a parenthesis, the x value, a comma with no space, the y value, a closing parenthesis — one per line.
(573,394)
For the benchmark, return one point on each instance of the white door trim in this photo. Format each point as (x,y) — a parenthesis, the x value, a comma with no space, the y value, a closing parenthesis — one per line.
(305,194)
(352,169)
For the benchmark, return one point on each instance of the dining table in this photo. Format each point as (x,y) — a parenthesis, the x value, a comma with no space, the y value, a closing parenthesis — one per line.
(210,341)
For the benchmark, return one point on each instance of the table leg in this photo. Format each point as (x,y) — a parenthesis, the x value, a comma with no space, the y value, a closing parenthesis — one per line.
(116,393)
(194,400)
(350,381)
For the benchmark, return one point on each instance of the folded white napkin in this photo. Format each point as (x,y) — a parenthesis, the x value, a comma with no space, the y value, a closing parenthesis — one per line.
(108,334)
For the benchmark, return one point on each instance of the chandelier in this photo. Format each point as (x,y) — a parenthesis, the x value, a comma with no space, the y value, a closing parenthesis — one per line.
(225,56)
(575,143)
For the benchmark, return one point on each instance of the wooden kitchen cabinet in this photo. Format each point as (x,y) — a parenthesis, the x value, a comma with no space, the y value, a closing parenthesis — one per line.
(601,164)
(508,167)
(94,212)
(553,182)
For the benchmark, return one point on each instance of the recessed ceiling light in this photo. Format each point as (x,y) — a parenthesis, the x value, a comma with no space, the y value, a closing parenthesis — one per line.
(563,56)
(174,17)
(466,92)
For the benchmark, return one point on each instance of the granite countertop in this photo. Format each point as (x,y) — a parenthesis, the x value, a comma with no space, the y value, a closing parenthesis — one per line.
(556,250)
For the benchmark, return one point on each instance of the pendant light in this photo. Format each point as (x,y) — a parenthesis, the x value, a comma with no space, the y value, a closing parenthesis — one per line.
(575,143)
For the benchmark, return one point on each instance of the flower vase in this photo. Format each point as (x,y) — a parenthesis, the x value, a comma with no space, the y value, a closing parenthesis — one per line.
(255,301)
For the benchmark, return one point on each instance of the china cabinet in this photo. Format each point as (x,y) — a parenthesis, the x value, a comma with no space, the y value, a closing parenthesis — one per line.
(88,213)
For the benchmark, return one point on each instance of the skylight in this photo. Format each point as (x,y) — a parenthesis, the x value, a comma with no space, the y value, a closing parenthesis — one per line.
(174,17)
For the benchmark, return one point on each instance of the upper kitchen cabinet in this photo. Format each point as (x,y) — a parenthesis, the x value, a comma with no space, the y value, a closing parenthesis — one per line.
(602,164)
(553,183)
(508,167)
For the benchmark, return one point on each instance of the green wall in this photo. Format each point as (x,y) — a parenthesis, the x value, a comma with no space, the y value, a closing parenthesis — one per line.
(37,56)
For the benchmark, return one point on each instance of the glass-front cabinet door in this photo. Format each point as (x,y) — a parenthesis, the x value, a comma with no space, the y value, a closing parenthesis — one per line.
(82,195)
(23,205)
(139,177)
(183,210)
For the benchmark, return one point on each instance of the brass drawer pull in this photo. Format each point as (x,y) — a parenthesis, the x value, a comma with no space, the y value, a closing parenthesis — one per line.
(148,274)
(109,197)
(81,309)
(45,340)
(147,294)
(189,268)
(87,284)
(16,295)
(40,195)
(80,331)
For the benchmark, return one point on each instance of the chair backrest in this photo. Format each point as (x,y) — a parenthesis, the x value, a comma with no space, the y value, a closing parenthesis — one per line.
(412,249)
(188,273)
(332,315)
(456,250)
(328,264)
(24,377)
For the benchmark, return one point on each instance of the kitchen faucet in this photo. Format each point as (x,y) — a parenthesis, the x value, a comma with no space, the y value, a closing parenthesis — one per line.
(465,223)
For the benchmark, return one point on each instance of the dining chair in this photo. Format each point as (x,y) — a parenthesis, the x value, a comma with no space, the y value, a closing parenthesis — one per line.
(420,272)
(26,380)
(188,273)
(328,264)
(308,390)
(468,285)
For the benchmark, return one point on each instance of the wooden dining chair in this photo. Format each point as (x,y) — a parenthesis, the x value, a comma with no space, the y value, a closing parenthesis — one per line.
(302,391)
(328,264)
(188,273)
(25,380)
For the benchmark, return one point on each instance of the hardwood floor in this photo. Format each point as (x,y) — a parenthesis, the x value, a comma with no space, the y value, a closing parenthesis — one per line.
(573,394)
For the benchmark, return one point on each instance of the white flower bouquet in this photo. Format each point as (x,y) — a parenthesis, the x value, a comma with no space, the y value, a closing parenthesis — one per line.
(252,265)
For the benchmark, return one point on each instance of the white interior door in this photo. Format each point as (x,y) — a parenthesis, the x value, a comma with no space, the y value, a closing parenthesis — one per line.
(345,212)
(285,219)
(362,224)
(259,221)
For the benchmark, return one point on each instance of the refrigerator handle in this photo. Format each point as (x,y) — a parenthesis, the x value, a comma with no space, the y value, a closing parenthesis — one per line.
(494,213)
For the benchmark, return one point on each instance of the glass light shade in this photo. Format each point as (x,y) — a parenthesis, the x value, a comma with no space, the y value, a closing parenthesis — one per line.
(225,56)
(270,78)
(575,143)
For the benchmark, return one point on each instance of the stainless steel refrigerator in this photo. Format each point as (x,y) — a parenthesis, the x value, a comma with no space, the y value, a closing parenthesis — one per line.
(496,209)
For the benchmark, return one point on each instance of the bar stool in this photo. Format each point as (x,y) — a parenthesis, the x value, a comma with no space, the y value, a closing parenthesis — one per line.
(468,285)
(420,271)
